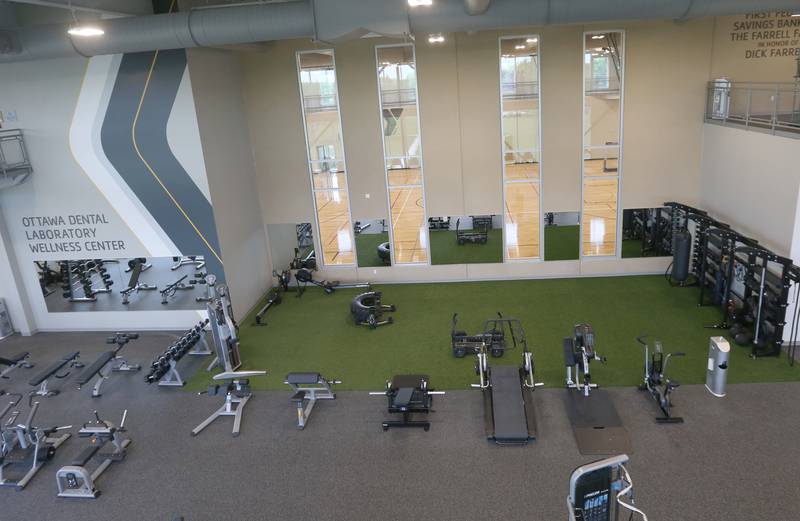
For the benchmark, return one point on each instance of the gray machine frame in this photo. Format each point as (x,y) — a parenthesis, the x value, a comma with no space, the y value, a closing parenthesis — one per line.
(75,481)
(238,393)
(32,441)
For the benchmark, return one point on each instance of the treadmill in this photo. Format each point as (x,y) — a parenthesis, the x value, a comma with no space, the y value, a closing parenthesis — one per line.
(509,415)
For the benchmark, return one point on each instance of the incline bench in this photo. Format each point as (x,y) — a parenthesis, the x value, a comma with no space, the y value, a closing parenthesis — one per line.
(40,380)
(120,339)
(13,362)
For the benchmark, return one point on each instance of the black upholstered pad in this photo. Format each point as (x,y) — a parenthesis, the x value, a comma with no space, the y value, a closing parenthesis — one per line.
(303,378)
(47,373)
(88,373)
(13,359)
(508,407)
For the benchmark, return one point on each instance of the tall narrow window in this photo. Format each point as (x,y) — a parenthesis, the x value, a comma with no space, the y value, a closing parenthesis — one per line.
(603,66)
(402,151)
(326,162)
(519,99)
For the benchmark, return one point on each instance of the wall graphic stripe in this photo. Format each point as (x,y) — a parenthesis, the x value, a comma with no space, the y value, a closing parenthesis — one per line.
(134,137)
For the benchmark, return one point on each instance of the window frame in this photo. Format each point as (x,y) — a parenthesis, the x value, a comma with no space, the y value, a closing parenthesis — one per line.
(618,225)
(389,187)
(540,180)
(309,162)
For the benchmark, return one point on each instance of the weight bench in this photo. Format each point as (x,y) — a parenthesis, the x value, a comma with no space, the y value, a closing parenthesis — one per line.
(40,380)
(14,362)
(308,388)
(105,359)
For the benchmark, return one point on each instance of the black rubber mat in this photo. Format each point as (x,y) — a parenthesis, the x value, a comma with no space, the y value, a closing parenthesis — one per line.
(508,408)
(596,424)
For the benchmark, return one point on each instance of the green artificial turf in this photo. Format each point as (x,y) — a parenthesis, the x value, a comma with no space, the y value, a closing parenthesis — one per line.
(316,333)
(561,242)
(631,248)
(446,250)
(367,249)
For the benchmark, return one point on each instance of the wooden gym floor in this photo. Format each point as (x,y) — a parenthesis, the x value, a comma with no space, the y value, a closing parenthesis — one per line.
(521,230)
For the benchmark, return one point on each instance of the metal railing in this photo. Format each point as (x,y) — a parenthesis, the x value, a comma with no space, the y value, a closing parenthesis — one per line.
(15,166)
(519,89)
(398,97)
(774,107)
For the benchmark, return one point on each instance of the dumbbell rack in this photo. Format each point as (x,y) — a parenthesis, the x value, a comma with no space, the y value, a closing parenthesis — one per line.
(164,367)
(80,274)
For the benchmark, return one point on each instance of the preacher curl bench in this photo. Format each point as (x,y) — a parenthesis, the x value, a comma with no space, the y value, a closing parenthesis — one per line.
(308,388)
(237,393)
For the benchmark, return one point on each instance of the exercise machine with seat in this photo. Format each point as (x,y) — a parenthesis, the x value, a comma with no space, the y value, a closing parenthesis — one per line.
(601,491)
(305,277)
(308,388)
(75,480)
(408,394)
(14,362)
(40,381)
(509,413)
(656,381)
(579,351)
(275,295)
(113,359)
(27,448)
(237,393)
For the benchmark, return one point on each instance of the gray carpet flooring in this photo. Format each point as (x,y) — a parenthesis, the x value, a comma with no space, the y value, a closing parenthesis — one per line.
(733,459)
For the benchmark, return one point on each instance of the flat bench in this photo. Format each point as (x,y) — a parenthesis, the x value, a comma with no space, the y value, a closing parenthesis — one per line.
(97,367)
(13,362)
(88,373)
(40,379)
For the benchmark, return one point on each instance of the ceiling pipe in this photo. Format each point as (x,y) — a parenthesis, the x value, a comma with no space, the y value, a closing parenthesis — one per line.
(476,7)
(81,8)
(260,22)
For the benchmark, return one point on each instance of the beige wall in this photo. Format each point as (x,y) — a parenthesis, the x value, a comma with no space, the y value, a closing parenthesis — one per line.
(666,71)
(751,181)
(216,85)
(665,76)
(733,58)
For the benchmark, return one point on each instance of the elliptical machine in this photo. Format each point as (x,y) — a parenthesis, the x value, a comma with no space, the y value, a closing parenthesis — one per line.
(656,380)
(579,351)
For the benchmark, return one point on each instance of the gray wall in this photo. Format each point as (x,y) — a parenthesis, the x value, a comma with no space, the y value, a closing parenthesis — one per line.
(216,84)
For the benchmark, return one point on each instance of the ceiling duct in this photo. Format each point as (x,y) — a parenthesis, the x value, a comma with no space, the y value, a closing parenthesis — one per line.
(335,21)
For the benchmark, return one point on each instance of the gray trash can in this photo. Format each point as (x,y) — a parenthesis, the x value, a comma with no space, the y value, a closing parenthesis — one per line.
(6,329)
(717,371)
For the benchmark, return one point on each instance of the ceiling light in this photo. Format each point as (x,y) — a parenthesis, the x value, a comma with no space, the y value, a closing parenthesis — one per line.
(532,40)
(435,38)
(519,47)
(598,37)
(598,49)
(85,31)
(417,3)
(794,15)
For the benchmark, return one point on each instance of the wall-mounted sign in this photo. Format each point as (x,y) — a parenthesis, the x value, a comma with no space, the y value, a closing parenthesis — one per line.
(767,35)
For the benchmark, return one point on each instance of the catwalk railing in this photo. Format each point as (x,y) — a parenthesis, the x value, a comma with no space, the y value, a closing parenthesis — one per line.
(771,107)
